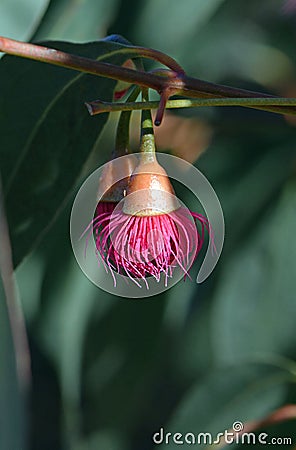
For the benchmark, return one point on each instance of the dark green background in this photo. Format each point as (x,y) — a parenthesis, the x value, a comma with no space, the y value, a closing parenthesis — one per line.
(108,372)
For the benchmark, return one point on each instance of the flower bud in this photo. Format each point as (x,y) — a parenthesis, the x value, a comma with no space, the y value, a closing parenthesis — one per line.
(114,179)
(150,192)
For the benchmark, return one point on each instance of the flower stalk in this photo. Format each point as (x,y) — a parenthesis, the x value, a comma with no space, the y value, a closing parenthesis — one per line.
(147,134)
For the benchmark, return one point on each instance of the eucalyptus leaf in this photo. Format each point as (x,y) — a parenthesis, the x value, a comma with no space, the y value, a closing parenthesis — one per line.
(167,19)
(254,308)
(11,403)
(13,357)
(18,19)
(78,21)
(47,136)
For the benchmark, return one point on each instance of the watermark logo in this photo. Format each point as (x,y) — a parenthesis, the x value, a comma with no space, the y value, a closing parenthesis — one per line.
(126,251)
(236,435)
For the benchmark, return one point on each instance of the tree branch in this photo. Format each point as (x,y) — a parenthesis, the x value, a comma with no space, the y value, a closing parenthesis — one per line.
(177,83)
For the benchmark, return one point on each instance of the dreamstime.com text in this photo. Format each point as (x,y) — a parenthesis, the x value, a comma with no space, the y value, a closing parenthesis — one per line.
(234,436)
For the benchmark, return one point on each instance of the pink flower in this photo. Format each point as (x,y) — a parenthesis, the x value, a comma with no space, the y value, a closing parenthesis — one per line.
(143,246)
(149,233)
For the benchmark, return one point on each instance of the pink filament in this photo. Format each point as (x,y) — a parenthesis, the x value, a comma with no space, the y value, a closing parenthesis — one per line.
(144,246)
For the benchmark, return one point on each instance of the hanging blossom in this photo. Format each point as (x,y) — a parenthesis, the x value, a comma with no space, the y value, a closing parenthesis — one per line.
(147,233)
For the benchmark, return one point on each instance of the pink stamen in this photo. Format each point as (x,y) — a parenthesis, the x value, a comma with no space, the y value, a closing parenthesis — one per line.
(147,246)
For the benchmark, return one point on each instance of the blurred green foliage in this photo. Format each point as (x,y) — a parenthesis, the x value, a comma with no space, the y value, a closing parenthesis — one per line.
(11,413)
(109,372)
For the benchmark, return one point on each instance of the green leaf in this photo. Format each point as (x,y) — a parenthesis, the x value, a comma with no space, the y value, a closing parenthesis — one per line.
(47,136)
(11,408)
(254,308)
(236,393)
(13,359)
(248,185)
(171,32)
(63,19)
(19,19)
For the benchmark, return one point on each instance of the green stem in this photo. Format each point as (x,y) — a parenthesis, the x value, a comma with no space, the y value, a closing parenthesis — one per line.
(122,134)
(98,106)
(147,147)
(13,305)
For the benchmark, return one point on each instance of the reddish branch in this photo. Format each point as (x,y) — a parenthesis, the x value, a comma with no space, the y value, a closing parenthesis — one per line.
(179,83)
